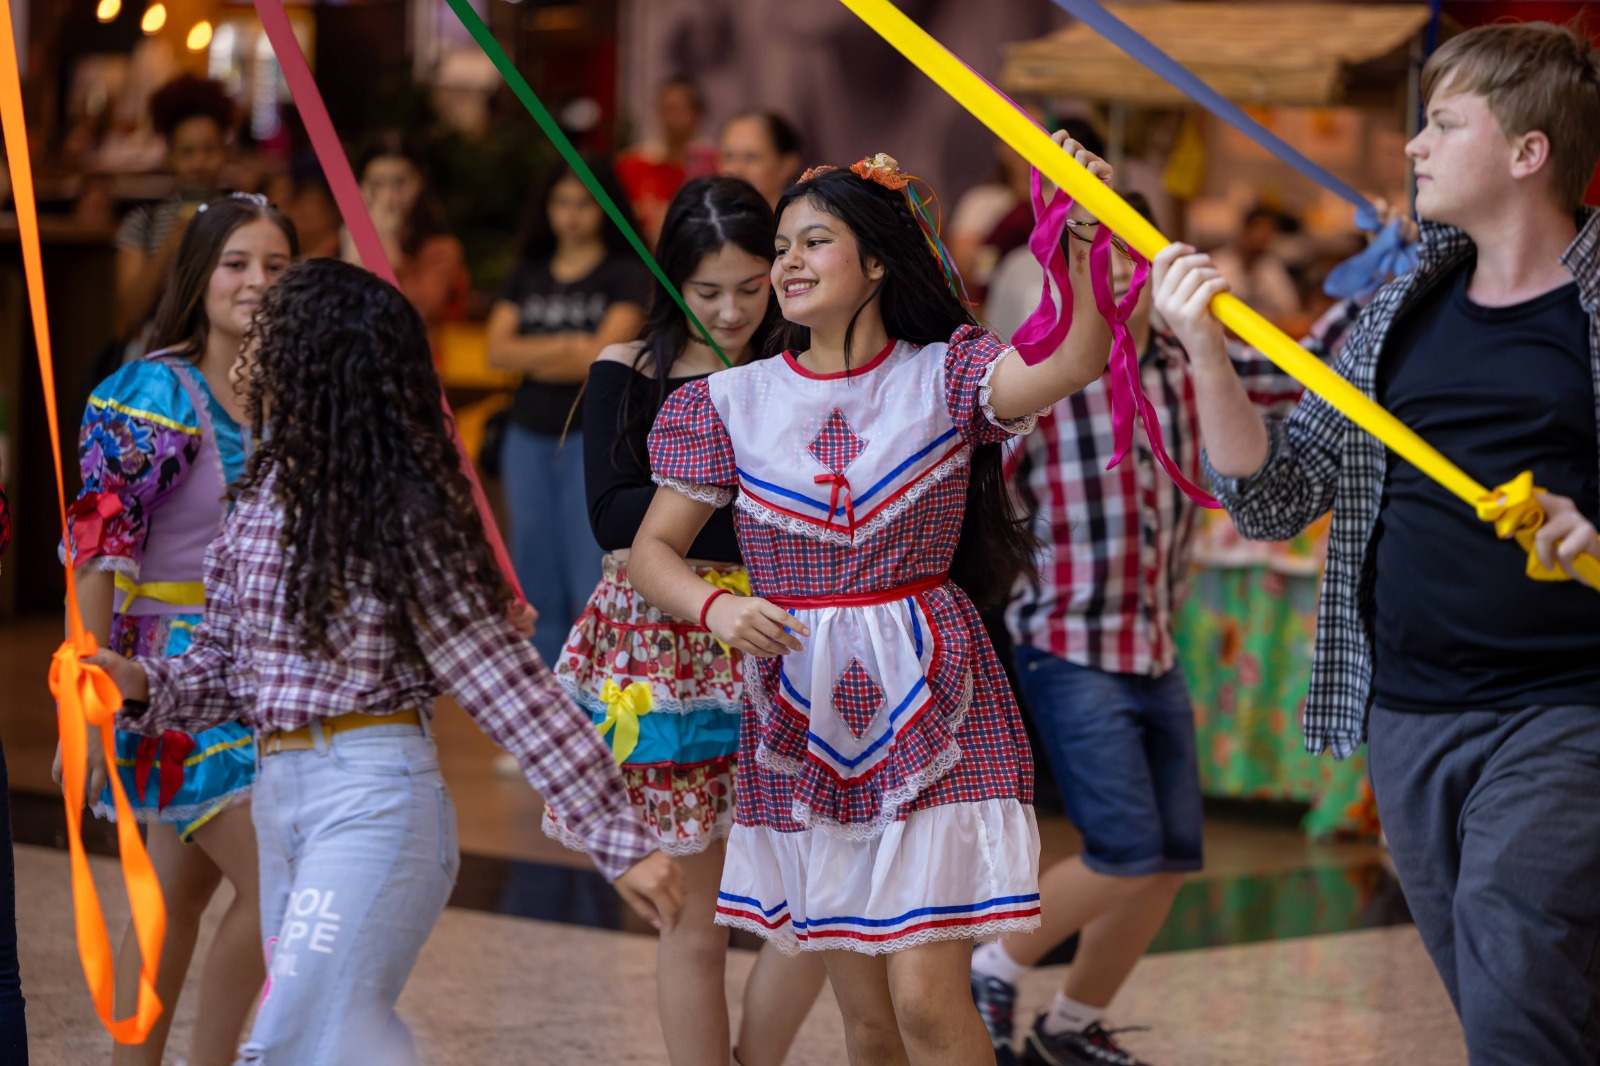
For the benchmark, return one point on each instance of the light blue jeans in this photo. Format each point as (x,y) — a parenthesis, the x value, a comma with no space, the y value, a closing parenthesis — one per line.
(552,546)
(358,856)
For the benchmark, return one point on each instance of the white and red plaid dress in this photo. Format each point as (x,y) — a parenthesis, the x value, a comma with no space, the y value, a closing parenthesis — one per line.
(884,785)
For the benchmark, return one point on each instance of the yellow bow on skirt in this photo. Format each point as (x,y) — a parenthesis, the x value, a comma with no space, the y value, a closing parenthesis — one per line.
(624,708)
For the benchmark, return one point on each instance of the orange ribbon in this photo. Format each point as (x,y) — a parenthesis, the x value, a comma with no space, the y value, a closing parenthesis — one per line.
(85,696)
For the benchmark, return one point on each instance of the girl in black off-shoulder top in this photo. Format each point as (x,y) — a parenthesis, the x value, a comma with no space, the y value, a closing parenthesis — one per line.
(663,691)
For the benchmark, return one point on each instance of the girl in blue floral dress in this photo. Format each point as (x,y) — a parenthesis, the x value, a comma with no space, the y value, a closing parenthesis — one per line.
(161,442)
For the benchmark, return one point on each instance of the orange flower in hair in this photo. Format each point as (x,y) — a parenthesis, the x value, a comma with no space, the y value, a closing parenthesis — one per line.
(817,171)
(882,169)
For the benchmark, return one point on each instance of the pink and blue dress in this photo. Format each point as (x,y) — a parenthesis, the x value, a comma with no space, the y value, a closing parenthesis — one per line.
(157,452)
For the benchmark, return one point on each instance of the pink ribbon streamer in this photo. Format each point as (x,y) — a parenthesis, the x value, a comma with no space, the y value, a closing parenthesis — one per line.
(347,194)
(1123,381)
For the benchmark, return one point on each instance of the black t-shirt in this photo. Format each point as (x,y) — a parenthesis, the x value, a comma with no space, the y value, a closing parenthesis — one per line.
(616,462)
(1458,625)
(545,305)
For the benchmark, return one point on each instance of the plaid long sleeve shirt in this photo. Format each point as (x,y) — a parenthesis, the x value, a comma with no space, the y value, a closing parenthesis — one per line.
(1318,459)
(1117,543)
(245,664)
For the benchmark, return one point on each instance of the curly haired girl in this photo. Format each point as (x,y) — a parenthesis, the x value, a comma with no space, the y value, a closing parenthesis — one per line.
(351,586)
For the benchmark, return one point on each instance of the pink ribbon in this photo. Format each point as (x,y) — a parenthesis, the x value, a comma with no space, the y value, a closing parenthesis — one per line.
(1124,385)
(1047,327)
(347,194)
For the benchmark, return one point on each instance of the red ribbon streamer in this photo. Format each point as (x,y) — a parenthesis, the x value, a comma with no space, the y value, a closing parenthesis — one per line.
(347,194)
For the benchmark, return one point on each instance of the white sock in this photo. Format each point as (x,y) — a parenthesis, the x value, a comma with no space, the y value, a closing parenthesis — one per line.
(991,960)
(1069,1016)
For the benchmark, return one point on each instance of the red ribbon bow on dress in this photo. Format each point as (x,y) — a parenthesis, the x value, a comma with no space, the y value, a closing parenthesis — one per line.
(839,483)
(87,518)
(174,748)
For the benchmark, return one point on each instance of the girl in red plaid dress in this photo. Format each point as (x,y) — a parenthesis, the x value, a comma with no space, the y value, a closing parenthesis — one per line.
(883,800)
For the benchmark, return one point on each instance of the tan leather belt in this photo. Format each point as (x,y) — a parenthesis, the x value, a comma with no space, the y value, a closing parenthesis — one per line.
(303,739)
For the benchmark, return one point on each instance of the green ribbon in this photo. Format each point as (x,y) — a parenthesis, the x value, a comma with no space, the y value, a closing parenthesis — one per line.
(519,85)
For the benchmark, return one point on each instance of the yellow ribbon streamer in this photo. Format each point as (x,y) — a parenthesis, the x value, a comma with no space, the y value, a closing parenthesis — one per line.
(1515,513)
(624,708)
(1033,144)
(734,581)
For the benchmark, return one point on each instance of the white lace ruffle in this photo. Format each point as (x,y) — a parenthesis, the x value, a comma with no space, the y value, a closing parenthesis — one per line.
(715,495)
(788,944)
(885,518)
(557,830)
(1018,426)
(183,812)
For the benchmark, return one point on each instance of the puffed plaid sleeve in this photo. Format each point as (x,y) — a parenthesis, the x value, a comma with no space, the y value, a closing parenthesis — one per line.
(690,450)
(969,363)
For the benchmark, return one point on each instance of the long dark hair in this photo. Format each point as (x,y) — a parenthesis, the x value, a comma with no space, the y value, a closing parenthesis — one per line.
(539,242)
(707,215)
(181,323)
(427,218)
(344,399)
(996,545)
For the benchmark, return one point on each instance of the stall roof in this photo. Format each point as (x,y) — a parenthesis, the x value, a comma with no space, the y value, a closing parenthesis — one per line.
(1305,54)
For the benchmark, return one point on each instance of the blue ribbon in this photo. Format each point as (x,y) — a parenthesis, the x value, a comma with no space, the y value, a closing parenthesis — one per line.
(1389,255)
(1358,275)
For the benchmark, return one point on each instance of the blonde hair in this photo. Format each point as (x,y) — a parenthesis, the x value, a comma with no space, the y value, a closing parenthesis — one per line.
(1535,76)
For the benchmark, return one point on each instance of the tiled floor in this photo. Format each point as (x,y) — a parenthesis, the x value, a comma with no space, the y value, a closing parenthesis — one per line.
(1281,952)
(488,991)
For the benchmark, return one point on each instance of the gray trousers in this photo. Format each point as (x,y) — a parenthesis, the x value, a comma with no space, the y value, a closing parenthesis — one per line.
(1494,822)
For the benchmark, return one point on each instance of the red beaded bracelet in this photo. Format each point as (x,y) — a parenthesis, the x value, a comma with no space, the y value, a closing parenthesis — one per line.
(707,605)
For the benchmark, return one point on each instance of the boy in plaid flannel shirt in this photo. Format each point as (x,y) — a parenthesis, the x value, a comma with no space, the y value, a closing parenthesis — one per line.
(1477,690)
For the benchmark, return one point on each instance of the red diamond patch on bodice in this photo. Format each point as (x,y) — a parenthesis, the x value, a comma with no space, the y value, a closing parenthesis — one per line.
(836,445)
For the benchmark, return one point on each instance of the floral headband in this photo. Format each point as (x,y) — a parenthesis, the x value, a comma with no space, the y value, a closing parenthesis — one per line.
(884,169)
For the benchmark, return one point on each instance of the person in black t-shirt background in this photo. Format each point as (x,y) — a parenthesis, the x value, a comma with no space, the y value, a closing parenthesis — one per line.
(577,287)
(1476,689)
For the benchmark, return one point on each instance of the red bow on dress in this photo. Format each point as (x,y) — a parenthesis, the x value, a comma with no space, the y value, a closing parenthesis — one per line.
(839,482)
(174,748)
(87,518)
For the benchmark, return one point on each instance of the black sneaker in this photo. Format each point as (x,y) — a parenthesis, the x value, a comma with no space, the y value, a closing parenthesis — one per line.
(1093,1045)
(997,1006)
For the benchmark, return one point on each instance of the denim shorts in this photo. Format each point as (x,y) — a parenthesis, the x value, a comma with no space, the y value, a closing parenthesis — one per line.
(1122,749)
